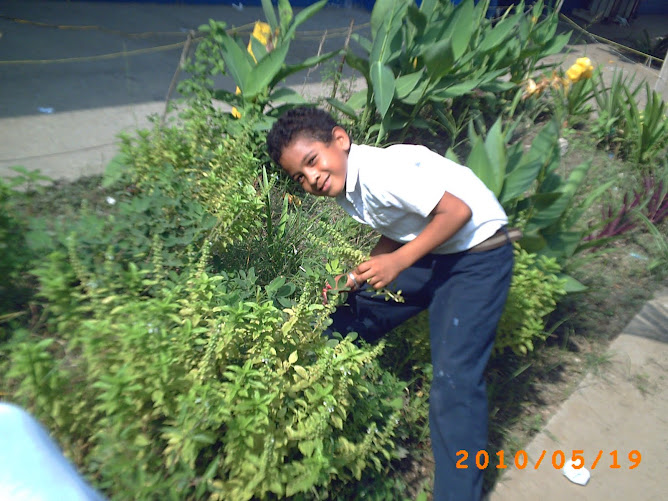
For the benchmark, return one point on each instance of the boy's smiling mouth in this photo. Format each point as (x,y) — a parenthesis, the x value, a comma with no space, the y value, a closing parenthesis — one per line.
(325,185)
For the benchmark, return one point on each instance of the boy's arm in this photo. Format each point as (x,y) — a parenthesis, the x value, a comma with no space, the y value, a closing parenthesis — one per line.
(448,217)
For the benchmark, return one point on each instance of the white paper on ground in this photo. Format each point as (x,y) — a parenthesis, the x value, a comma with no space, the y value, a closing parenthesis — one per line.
(578,476)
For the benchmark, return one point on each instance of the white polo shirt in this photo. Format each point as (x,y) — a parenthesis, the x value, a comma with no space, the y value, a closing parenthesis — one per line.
(394,190)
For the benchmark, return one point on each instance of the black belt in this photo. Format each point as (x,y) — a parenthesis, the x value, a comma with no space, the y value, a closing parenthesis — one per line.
(503,236)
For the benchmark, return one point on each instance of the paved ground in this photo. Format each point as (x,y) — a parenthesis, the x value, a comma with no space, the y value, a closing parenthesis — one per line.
(623,408)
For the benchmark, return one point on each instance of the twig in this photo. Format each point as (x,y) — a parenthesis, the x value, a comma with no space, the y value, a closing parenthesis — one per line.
(337,77)
(308,73)
(172,85)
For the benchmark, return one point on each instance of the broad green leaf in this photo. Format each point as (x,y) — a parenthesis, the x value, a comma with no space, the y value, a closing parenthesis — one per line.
(418,93)
(520,179)
(284,14)
(236,61)
(342,107)
(551,214)
(451,155)
(561,244)
(270,14)
(495,144)
(439,59)
(359,64)
(555,45)
(358,100)
(483,167)
(382,10)
(406,83)
(286,95)
(364,42)
(258,48)
(267,68)
(382,80)
(464,26)
(456,90)
(387,39)
(497,35)
(572,285)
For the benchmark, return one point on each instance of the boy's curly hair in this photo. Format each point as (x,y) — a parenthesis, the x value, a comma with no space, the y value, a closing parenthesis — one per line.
(305,121)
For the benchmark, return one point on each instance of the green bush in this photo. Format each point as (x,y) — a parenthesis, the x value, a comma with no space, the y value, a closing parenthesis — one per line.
(206,387)
(534,292)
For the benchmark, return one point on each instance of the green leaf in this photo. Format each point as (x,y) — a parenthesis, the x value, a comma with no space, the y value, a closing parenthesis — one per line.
(483,167)
(286,95)
(342,107)
(406,83)
(519,180)
(115,170)
(383,83)
(439,59)
(358,99)
(293,357)
(382,10)
(497,35)
(456,90)
(387,39)
(284,14)
(270,14)
(572,285)
(495,144)
(236,61)
(463,23)
(264,72)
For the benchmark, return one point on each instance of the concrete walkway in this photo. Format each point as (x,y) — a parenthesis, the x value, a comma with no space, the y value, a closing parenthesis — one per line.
(621,409)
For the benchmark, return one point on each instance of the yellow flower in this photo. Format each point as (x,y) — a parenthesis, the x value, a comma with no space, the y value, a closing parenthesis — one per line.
(581,69)
(262,33)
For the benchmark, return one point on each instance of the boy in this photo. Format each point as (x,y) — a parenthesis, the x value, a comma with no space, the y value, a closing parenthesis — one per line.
(444,244)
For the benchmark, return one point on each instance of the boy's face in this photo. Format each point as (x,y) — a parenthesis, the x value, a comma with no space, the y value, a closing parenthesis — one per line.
(320,168)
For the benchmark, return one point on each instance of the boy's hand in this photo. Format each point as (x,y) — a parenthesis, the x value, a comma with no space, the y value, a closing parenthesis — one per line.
(379,271)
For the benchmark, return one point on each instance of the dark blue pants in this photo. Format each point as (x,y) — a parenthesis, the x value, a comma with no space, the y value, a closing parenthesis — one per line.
(465,294)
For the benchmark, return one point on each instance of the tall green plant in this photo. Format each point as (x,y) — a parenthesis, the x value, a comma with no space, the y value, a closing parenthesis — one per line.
(422,56)
(535,196)
(259,74)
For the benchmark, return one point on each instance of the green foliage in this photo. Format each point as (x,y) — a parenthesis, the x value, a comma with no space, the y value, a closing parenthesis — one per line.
(536,198)
(205,387)
(432,56)
(641,136)
(256,75)
(168,368)
(534,292)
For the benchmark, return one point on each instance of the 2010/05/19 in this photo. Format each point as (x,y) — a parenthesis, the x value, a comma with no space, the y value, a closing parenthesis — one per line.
(521,459)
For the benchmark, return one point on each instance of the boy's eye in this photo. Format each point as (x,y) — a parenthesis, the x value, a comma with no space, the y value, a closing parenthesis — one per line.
(299,178)
(311,161)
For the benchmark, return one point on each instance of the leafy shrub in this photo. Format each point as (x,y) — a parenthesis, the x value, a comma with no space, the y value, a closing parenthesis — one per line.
(205,387)
(534,291)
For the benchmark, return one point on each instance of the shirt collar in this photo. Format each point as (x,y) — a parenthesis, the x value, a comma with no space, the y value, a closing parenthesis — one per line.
(352,170)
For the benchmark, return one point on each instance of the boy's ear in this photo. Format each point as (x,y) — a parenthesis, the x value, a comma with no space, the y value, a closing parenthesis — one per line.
(341,137)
